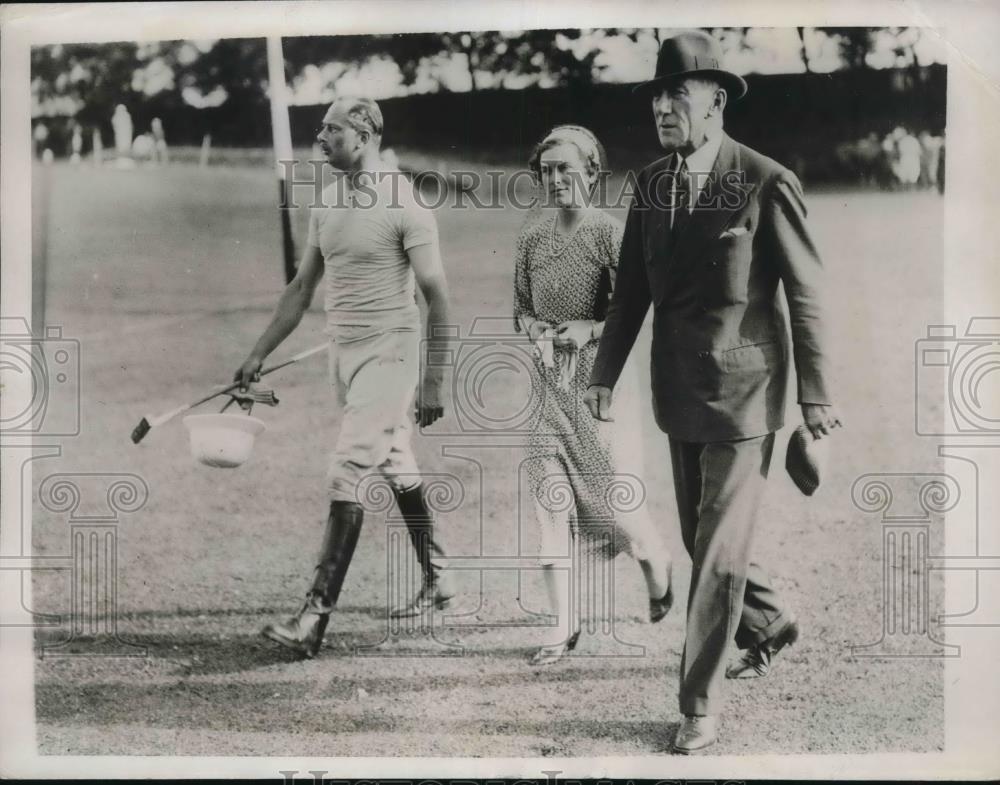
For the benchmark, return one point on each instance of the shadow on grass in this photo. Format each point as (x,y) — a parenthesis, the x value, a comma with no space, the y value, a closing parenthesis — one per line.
(282,611)
(281,704)
(206,654)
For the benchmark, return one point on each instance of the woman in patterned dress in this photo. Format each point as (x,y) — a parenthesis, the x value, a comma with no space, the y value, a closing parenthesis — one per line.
(585,476)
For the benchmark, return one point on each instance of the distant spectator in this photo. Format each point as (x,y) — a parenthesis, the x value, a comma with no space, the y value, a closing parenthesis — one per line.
(121,122)
(160,140)
(889,161)
(930,150)
(41,135)
(144,148)
(390,159)
(907,166)
(76,145)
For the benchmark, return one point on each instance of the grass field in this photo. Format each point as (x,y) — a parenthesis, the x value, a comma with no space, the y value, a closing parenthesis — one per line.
(166,277)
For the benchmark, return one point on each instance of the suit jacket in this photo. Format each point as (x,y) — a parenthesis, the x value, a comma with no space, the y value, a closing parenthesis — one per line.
(720,356)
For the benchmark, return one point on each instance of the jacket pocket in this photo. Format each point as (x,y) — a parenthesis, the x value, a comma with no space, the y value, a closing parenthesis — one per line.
(761,356)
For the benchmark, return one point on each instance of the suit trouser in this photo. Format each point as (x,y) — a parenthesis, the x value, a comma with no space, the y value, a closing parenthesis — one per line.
(719,486)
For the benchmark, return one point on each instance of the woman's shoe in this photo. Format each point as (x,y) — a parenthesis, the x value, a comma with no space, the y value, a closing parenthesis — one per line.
(659,608)
(550,655)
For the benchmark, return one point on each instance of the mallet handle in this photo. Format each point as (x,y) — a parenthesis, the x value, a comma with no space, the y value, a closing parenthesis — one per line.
(152,422)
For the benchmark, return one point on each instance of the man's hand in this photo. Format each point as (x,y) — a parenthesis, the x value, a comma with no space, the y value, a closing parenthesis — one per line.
(598,400)
(820,419)
(248,373)
(428,407)
(573,335)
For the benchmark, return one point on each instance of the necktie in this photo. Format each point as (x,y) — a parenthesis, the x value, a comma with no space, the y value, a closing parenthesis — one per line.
(680,210)
(679,213)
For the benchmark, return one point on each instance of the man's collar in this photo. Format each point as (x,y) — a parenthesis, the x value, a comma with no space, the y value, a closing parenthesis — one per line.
(703,159)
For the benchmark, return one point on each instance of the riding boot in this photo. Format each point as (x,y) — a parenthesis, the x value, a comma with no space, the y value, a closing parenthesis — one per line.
(436,589)
(304,631)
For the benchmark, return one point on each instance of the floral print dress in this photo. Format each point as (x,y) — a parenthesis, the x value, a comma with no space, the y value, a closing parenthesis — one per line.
(585,476)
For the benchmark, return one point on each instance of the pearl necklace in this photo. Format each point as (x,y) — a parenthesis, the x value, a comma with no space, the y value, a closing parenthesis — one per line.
(557,246)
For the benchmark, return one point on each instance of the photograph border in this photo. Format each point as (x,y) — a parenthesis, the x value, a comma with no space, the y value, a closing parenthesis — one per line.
(972,289)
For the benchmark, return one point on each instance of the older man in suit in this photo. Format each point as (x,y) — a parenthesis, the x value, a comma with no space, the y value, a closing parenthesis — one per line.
(714,228)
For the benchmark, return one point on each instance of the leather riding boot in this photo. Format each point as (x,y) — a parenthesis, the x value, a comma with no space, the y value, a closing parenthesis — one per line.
(436,590)
(304,631)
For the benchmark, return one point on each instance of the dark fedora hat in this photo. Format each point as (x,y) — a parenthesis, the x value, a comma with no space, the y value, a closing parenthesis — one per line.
(692,54)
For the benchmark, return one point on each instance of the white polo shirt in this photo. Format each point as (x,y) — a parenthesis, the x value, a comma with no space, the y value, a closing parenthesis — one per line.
(363,235)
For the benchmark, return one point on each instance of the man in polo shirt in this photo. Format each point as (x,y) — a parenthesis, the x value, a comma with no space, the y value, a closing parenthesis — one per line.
(374,242)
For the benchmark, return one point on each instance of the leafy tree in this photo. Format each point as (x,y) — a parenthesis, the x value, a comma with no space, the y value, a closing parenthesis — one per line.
(96,77)
(854,44)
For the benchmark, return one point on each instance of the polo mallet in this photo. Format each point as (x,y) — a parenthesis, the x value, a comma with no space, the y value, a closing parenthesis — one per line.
(146,424)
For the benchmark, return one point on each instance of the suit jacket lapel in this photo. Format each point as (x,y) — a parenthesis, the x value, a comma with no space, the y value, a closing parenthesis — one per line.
(712,212)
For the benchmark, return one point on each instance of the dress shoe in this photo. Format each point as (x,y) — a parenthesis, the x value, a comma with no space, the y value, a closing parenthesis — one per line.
(550,655)
(659,608)
(695,733)
(303,632)
(756,661)
(436,596)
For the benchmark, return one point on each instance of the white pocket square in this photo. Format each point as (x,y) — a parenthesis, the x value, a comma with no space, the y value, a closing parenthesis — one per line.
(737,231)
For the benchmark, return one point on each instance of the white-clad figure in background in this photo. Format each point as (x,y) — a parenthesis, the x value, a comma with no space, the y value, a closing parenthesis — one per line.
(121,122)
(144,149)
(909,158)
(390,159)
(160,138)
(76,145)
(41,134)
(930,150)
(890,157)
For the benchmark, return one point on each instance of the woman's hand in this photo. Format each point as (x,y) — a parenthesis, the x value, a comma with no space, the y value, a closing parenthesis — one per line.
(536,328)
(574,334)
